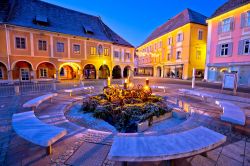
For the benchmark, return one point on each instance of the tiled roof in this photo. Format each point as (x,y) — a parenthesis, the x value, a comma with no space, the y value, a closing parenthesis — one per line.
(187,16)
(229,5)
(61,20)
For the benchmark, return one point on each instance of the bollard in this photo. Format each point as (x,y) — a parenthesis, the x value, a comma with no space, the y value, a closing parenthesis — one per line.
(193,79)
(17,90)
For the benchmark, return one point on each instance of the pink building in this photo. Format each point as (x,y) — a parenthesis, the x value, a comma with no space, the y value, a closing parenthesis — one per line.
(228,46)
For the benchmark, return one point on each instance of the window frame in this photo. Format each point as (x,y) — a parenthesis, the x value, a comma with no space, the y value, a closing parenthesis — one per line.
(106,51)
(244,47)
(46,46)
(178,56)
(20,42)
(76,51)
(127,55)
(21,76)
(224,50)
(58,47)
(198,56)
(227,25)
(179,37)
(200,34)
(41,74)
(118,53)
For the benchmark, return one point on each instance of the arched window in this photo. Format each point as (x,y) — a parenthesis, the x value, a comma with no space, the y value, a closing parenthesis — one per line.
(1,73)
(62,72)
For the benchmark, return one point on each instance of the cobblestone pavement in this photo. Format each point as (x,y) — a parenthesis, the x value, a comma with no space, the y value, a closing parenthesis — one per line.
(88,147)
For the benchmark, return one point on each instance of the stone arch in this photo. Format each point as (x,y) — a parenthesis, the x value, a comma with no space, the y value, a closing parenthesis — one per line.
(14,63)
(22,70)
(46,62)
(126,71)
(89,71)
(117,72)
(3,71)
(104,71)
(46,70)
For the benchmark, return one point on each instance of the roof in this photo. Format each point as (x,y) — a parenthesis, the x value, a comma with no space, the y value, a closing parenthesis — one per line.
(229,5)
(60,20)
(187,16)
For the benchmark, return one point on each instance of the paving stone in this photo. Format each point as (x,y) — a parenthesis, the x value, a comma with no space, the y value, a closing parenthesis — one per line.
(235,150)
(226,161)
(89,154)
(214,154)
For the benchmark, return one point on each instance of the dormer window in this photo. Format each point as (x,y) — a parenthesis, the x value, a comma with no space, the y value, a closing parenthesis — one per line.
(41,20)
(88,30)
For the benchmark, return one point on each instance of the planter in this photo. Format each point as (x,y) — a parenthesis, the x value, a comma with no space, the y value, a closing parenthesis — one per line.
(142,126)
(177,113)
(162,117)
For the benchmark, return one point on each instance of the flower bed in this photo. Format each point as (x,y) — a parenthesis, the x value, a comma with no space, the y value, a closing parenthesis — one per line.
(126,108)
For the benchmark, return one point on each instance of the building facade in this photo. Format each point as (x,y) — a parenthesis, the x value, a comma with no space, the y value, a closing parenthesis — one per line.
(175,48)
(229,42)
(41,41)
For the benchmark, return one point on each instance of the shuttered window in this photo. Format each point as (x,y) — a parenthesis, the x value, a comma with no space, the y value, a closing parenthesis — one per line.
(245,19)
(226,25)
(244,47)
(225,49)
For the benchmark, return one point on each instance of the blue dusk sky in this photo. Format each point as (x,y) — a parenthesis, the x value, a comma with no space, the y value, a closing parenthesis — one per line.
(134,20)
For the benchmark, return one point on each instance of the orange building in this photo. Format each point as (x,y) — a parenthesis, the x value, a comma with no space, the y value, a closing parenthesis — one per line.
(175,48)
(41,41)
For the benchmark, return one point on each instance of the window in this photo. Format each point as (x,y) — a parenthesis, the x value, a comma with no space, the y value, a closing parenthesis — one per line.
(42,45)
(106,52)
(43,73)
(25,74)
(92,50)
(76,48)
(116,54)
(127,55)
(226,25)
(1,73)
(247,47)
(224,50)
(248,19)
(200,35)
(60,47)
(160,44)
(169,41)
(169,56)
(180,37)
(178,55)
(20,42)
(198,55)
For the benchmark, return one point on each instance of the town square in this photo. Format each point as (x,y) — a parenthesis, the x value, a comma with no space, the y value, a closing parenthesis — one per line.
(86,83)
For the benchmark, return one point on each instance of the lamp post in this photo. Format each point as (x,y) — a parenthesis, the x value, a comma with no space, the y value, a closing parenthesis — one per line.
(108,81)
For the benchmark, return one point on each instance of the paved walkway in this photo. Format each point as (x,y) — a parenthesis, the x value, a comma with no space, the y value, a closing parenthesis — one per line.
(88,147)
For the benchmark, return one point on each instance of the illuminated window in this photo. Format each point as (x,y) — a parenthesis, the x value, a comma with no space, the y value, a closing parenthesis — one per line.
(200,35)
(92,50)
(60,47)
(106,51)
(43,73)
(20,42)
(42,45)
(127,55)
(76,48)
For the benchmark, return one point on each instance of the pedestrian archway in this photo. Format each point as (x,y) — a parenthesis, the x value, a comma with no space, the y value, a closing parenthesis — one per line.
(46,70)
(23,71)
(69,71)
(3,71)
(116,72)
(126,71)
(89,71)
(104,72)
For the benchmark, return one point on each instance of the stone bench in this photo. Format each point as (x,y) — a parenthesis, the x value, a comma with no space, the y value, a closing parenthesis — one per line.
(231,113)
(34,103)
(203,95)
(27,126)
(70,91)
(126,148)
(159,87)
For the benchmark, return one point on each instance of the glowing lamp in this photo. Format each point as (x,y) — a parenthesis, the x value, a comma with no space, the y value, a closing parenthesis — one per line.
(126,84)
(108,81)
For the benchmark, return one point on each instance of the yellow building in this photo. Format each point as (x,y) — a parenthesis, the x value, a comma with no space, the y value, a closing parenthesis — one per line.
(175,48)
(41,41)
